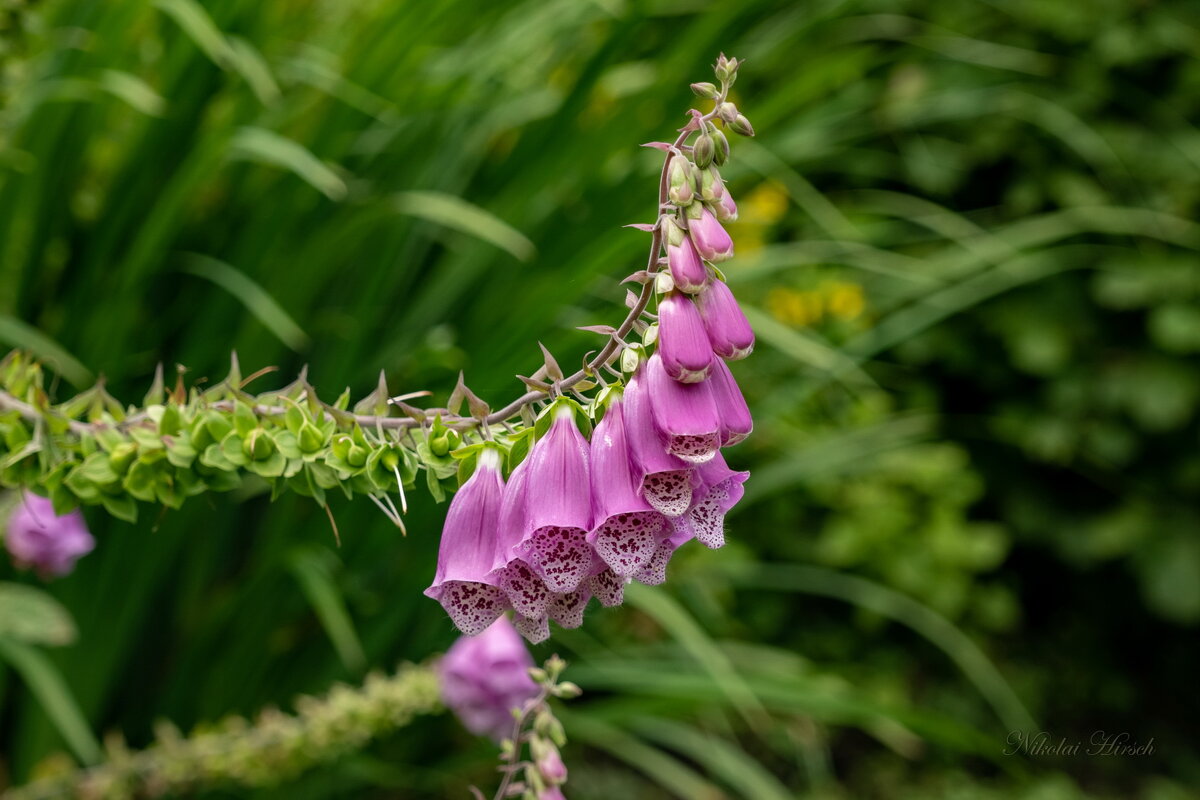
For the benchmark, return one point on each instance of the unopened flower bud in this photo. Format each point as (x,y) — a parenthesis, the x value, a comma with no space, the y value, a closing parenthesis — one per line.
(703,151)
(711,186)
(706,90)
(682,189)
(258,445)
(567,690)
(727,112)
(357,456)
(309,438)
(742,126)
(721,147)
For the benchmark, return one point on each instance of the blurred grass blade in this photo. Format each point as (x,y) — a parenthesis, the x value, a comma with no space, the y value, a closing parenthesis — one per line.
(679,624)
(267,147)
(33,616)
(47,685)
(312,570)
(722,758)
(903,609)
(454,212)
(255,298)
(805,348)
(670,773)
(16,333)
(200,28)
(251,65)
(134,91)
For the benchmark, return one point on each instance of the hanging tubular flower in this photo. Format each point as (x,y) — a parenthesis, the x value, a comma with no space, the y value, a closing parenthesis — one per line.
(484,677)
(711,240)
(736,422)
(720,490)
(682,342)
(558,505)
(627,530)
(723,208)
(686,413)
(728,330)
(666,479)
(467,553)
(524,588)
(45,541)
(687,270)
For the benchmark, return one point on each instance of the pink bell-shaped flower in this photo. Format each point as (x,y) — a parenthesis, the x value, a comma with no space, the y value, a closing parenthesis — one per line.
(45,541)
(682,341)
(627,529)
(467,551)
(686,413)
(666,480)
(728,330)
(484,677)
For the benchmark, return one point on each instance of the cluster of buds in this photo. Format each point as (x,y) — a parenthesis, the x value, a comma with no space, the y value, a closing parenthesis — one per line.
(577,518)
(490,683)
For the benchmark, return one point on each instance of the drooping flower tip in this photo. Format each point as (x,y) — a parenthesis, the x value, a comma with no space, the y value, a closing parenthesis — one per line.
(729,332)
(484,677)
(463,583)
(686,413)
(558,506)
(711,240)
(683,260)
(40,539)
(682,341)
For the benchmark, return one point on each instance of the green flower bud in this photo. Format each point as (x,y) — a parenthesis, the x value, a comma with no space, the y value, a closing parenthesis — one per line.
(454,439)
(310,438)
(257,445)
(357,456)
(727,112)
(681,191)
(710,185)
(703,151)
(742,126)
(440,445)
(122,456)
(721,151)
(706,90)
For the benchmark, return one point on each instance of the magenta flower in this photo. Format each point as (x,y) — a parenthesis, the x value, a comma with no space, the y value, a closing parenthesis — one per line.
(728,330)
(607,587)
(711,240)
(682,340)
(720,490)
(39,538)
(558,506)
(627,529)
(567,608)
(524,587)
(736,422)
(686,413)
(687,270)
(484,677)
(666,479)
(467,552)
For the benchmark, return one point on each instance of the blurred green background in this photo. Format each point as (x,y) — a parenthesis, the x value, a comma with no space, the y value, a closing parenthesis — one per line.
(966,242)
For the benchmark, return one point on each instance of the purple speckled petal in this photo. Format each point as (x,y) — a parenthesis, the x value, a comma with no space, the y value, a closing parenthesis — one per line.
(534,629)
(655,571)
(526,591)
(683,343)
(567,609)
(686,413)
(667,480)
(627,528)
(721,489)
(467,551)
(608,588)
(558,504)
